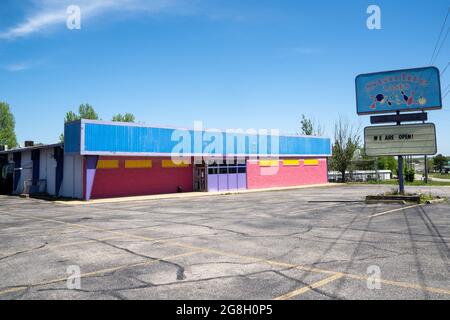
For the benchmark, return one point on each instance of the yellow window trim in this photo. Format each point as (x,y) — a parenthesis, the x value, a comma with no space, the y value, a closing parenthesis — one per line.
(291,162)
(108,164)
(138,164)
(171,164)
(311,162)
(269,163)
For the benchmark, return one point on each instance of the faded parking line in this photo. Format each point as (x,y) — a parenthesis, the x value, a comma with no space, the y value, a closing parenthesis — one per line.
(255,259)
(99,272)
(315,285)
(395,210)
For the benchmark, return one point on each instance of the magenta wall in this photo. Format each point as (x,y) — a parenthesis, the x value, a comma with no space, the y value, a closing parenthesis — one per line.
(121,181)
(285,176)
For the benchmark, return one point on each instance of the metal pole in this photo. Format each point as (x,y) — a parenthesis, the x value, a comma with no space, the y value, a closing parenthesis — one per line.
(426,163)
(401,181)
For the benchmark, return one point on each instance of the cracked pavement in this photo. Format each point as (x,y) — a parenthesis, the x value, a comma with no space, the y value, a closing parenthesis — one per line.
(242,246)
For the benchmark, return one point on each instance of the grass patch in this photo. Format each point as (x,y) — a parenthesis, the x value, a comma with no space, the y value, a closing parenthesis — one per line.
(440,175)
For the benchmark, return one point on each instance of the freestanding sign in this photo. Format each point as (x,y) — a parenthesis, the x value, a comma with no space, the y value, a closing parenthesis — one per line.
(407,140)
(401,90)
(398,91)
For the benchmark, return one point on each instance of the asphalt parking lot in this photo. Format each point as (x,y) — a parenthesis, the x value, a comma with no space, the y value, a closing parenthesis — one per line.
(295,244)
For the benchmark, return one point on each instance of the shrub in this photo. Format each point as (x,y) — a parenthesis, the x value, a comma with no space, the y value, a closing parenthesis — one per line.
(409,174)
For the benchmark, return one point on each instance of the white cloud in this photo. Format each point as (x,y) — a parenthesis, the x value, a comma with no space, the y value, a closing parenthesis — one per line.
(15,67)
(299,51)
(48,14)
(23,65)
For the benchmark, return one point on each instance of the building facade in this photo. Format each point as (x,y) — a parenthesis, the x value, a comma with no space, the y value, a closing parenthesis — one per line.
(111,159)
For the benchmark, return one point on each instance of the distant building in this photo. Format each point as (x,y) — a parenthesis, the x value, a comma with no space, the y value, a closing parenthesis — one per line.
(360,175)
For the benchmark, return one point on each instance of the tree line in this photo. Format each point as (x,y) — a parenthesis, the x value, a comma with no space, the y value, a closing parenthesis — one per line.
(347,151)
(86,111)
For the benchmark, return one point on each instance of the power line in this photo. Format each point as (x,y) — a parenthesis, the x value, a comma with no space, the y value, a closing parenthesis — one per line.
(448,87)
(442,44)
(439,38)
(445,69)
(446,91)
(445,94)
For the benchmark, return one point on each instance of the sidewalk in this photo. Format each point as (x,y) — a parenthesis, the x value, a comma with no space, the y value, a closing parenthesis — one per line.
(187,195)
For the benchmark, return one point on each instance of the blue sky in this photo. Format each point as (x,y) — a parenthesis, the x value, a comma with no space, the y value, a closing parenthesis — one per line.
(230,63)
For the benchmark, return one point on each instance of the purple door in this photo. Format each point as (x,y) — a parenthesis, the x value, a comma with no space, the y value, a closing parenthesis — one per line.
(232,181)
(213,182)
(223,182)
(242,181)
(224,178)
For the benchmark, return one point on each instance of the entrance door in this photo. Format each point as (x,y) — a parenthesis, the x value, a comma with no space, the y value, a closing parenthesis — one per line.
(225,177)
(200,178)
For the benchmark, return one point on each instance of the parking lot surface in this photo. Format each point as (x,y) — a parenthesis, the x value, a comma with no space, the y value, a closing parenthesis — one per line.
(318,243)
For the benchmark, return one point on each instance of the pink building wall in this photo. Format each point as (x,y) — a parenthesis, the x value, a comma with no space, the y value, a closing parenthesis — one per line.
(121,181)
(285,176)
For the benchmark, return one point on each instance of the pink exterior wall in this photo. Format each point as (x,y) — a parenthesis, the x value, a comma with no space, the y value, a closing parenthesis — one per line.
(285,176)
(121,181)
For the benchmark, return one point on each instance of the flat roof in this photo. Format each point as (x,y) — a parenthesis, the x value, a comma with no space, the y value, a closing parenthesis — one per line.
(45,146)
(93,137)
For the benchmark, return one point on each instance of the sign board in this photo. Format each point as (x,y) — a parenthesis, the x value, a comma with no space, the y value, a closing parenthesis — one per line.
(404,117)
(404,140)
(401,90)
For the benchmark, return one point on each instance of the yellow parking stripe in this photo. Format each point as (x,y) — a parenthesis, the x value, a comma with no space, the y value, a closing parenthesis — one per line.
(99,272)
(315,285)
(169,242)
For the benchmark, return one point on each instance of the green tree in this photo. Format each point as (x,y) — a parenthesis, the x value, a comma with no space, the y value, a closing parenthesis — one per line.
(387,163)
(439,162)
(85,111)
(127,117)
(346,142)
(7,126)
(306,126)
(310,128)
(71,116)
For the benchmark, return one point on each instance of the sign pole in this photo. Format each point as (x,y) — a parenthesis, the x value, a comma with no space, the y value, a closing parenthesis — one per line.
(426,162)
(401,181)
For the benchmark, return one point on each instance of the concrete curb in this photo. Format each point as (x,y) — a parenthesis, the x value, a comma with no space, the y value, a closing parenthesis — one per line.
(186,195)
(442,200)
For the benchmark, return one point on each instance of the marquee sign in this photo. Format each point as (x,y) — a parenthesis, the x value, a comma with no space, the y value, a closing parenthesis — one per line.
(405,140)
(401,90)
